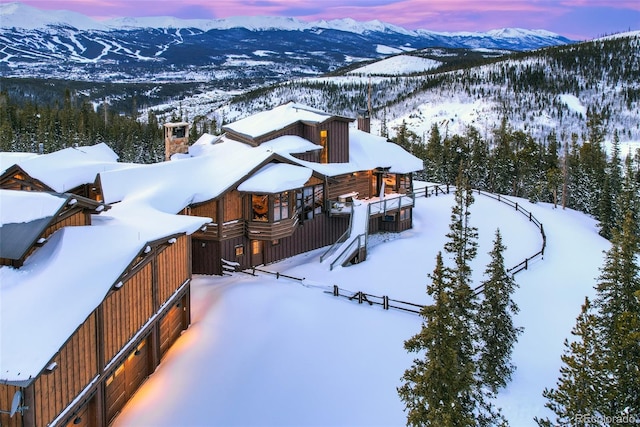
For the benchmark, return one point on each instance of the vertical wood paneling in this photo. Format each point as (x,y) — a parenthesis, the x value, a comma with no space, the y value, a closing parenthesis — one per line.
(126,310)
(232,206)
(6,397)
(77,365)
(77,219)
(206,257)
(173,268)
(313,234)
(208,209)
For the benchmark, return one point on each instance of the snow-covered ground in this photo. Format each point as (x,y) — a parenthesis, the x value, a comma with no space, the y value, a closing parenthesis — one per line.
(267,351)
(398,65)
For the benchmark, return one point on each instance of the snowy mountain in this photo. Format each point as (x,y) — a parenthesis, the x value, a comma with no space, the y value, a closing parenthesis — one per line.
(539,92)
(62,44)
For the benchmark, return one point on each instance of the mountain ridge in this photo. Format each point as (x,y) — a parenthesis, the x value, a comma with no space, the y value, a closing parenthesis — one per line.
(18,15)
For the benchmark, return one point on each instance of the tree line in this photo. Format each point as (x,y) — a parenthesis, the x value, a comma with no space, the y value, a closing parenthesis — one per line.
(574,172)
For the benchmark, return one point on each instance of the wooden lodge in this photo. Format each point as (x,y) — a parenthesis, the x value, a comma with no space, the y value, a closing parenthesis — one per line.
(254,224)
(87,308)
(97,256)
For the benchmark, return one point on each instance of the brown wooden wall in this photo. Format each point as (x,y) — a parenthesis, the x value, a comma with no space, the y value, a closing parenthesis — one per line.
(77,366)
(232,203)
(6,398)
(338,138)
(207,209)
(206,256)
(126,310)
(79,218)
(313,234)
(343,184)
(15,178)
(173,268)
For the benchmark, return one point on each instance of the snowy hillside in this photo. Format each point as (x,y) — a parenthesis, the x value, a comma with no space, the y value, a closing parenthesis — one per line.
(263,351)
(550,90)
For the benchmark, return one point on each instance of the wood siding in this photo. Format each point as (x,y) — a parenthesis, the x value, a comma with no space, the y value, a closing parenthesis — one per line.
(259,230)
(126,310)
(338,138)
(313,234)
(207,209)
(79,218)
(15,178)
(172,324)
(77,366)
(232,203)
(344,184)
(6,398)
(206,256)
(173,268)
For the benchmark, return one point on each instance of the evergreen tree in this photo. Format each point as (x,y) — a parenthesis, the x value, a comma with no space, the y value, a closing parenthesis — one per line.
(503,164)
(576,399)
(437,389)
(601,373)
(462,241)
(434,162)
(608,210)
(619,320)
(497,334)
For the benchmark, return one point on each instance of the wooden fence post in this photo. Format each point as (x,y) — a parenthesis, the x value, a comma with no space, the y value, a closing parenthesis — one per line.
(385,302)
(336,291)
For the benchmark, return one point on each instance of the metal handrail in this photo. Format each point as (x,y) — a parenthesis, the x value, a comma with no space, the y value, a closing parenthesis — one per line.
(348,248)
(341,239)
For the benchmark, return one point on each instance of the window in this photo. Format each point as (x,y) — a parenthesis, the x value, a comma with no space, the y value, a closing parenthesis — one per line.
(281,206)
(311,201)
(324,154)
(179,132)
(239,250)
(404,184)
(260,207)
(405,214)
(389,183)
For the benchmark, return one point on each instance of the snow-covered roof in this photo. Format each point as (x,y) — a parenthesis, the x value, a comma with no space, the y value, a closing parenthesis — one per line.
(37,316)
(276,178)
(9,159)
(24,215)
(170,186)
(68,168)
(366,152)
(27,206)
(278,118)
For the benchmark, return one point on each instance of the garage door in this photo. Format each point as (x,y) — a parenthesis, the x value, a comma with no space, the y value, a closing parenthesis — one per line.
(171,326)
(126,379)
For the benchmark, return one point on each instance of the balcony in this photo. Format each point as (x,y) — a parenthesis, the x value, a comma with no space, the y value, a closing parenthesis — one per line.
(262,230)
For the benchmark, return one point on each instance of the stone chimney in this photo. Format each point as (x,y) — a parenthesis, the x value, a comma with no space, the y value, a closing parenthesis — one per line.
(364,121)
(176,139)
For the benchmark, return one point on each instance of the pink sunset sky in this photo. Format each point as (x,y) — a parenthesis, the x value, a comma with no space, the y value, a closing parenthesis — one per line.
(576,19)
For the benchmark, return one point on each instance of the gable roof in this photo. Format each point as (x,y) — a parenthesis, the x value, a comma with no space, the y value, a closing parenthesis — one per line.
(64,170)
(25,215)
(278,118)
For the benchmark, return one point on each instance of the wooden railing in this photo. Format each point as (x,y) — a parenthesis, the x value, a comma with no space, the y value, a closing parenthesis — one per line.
(388,303)
(524,265)
(228,230)
(259,230)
